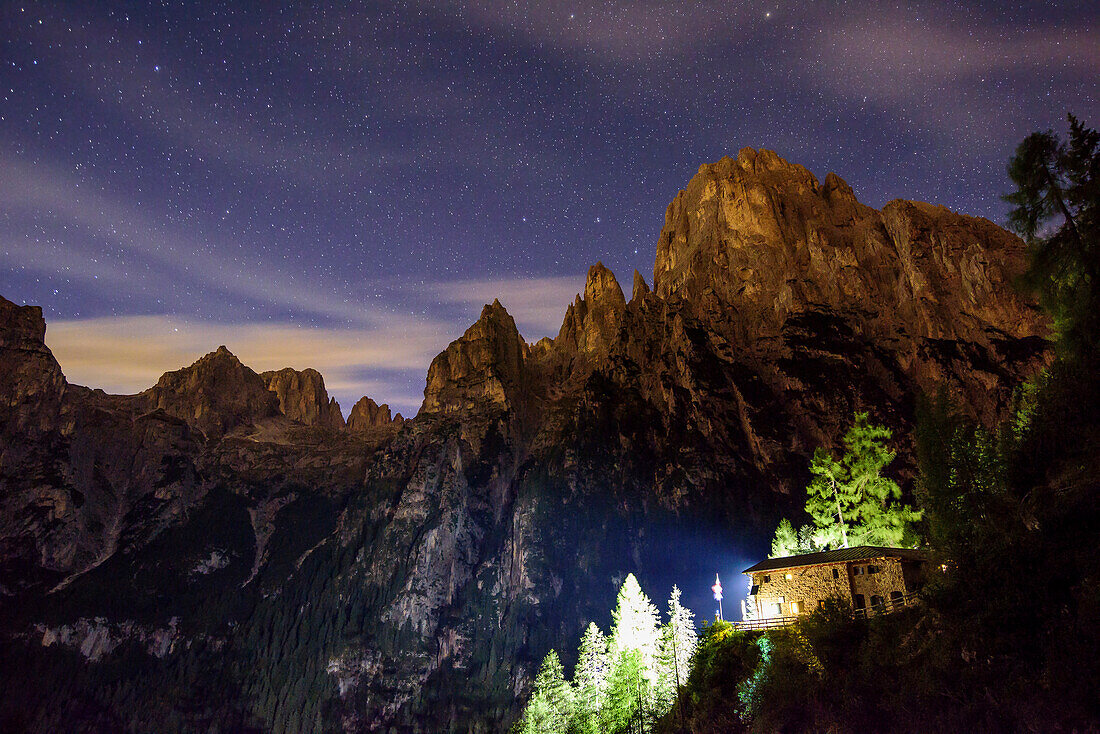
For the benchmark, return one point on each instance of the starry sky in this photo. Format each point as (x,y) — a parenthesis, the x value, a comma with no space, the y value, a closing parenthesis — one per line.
(342,186)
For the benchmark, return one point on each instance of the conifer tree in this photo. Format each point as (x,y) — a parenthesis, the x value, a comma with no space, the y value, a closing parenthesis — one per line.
(551,705)
(633,647)
(785,542)
(625,706)
(1058,180)
(634,622)
(678,644)
(590,679)
(851,503)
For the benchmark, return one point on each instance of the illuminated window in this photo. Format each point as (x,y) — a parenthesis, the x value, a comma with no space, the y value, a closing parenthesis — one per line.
(779,609)
(796,607)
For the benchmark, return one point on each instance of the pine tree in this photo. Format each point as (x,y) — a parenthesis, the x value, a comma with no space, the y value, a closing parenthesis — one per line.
(551,705)
(785,542)
(633,646)
(1056,180)
(627,692)
(678,644)
(590,679)
(851,503)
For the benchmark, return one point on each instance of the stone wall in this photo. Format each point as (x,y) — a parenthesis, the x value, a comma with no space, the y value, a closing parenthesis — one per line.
(800,590)
(806,586)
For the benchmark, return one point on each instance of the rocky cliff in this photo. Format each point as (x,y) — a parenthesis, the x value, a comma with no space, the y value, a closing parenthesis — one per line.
(366,415)
(303,398)
(409,576)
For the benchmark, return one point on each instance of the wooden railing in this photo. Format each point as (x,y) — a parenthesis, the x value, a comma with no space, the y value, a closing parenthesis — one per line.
(886,607)
(766,624)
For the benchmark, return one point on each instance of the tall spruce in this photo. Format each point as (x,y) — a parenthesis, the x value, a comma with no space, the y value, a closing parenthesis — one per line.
(849,500)
(634,647)
(677,649)
(551,705)
(1056,209)
(590,679)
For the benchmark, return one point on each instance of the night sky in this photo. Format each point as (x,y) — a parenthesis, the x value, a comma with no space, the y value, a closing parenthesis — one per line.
(343,186)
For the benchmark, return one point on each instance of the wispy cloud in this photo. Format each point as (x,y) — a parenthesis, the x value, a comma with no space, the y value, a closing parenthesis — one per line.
(127,354)
(146,251)
(621,32)
(949,70)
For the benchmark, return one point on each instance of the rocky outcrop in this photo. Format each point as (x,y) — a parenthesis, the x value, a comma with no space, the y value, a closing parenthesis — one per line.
(366,414)
(483,370)
(216,394)
(303,398)
(592,324)
(31,383)
(757,248)
(764,238)
(640,290)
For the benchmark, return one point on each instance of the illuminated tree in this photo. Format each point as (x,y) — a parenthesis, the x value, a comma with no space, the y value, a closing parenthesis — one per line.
(849,500)
(633,647)
(590,679)
(678,643)
(634,622)
(785,542)
(791,542)
(551,704)
(628,690)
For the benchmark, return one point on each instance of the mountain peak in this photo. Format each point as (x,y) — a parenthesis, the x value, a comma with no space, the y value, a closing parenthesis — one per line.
(482,368)
(640,288)
(601,287)
(217,393)
(762,237)
(366,414)
(303,398)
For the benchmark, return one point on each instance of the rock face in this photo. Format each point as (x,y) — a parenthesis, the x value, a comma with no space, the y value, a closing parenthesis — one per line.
(592,323)
(756,244)
(303,398)
(366,414)
(31,383)
(412,580)
(482,370)
(216,394)
(761,236)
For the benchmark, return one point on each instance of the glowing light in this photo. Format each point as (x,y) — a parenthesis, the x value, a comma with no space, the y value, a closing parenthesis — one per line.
(717,588)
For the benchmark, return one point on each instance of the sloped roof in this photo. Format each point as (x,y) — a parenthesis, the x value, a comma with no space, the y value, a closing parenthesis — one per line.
(857,553)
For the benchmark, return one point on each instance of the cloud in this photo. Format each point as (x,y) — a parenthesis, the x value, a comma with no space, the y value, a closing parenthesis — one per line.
(127,354)
(621,32)
(145,251)
(948,71)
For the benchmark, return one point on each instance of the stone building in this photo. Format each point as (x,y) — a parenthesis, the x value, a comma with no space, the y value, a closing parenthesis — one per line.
(867,577)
